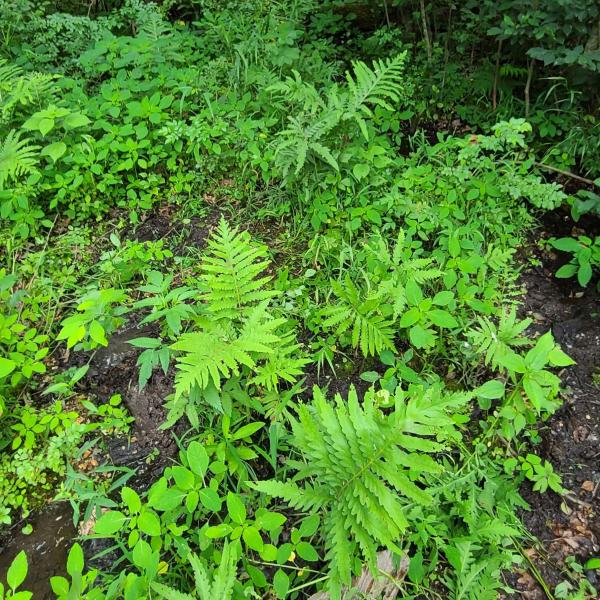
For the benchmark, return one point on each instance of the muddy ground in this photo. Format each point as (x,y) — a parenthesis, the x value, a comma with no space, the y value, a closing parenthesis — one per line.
(567,526)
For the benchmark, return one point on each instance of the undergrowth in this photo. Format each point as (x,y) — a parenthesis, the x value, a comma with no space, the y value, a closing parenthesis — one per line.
(339,243)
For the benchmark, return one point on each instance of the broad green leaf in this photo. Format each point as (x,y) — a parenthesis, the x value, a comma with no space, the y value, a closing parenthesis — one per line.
(414,295)
(97,333)
(75,560)
(7,366)
(17,571)
(492,390)
(197,458)
(236,508)
(360,171)
(421,337)
(281,584)
(75,120)
(442,318)
(131,499)
(307,552)
(410,317)
(247,430)
(218,531)
(566,271)
(54,151)
(270,520)
(184,478)
(110,522)
(149,523)
(253,538)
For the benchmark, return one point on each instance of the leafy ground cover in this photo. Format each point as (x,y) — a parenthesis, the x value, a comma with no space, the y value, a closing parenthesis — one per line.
(299,300)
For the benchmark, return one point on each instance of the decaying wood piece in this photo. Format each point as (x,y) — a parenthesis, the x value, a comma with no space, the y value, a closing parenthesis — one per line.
(382,587)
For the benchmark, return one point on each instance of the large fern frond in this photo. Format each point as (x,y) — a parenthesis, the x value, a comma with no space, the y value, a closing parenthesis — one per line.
(363,469)
(380,84)
(232,273)
(17,157)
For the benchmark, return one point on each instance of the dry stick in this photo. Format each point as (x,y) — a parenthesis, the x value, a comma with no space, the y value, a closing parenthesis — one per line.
(531,63)
(496,75)
(567,174)
(425,30)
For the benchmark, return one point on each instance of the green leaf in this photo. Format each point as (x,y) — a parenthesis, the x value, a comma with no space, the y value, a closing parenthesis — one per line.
(75,120)
(491,390)
(145,342)
(131,499)
(247,430)
(75,561)
(236,508)
(416,570)
(253,538)
(17,571)
(210,499)
(218,531)
(270,520)
(149,523)
(110,522)
(97,333)
(584,274)
(307,552)
(54,151)
(197,458)
(166,499)
(309,526)
(360,171)
(592,563)
(45,125)
(566,244)
(442,318)
(420,337)
(184,478)
(566,271)
(414,295)
(443,298)
(281,584)
(410,317)
(59,585)
(557,358)
(370,376)
(7,366)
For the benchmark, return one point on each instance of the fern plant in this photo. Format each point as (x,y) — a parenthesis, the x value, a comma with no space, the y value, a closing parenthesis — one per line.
(495,343)
(19,89)
(237,333)
(232,273)
(312,133)
(368,312)
(363,469)
(17,157)
(369,329)
(219,586)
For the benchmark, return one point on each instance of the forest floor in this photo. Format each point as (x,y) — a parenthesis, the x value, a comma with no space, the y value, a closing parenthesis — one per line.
(560,527)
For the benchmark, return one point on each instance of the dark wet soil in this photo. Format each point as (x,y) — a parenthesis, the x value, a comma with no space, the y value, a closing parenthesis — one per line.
(568,525)
(46,548)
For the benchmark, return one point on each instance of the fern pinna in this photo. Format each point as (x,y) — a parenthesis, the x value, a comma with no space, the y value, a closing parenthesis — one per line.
(364,468)
(237,334)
